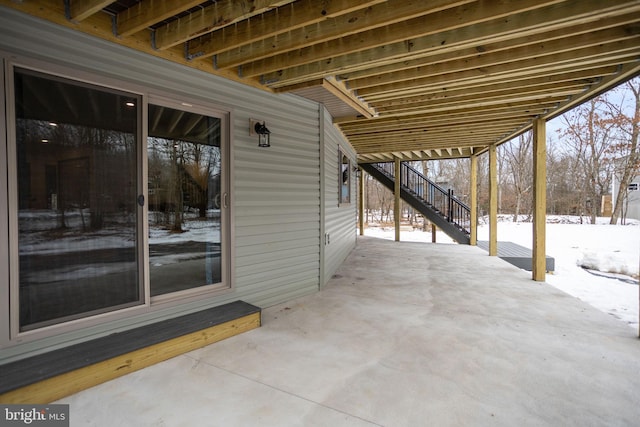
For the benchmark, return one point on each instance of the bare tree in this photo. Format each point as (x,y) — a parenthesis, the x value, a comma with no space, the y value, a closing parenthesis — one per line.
(625,150)
(518,168)
(590,135)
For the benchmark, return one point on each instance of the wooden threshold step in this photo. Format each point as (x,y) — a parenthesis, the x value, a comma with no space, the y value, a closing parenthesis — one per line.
(50,376)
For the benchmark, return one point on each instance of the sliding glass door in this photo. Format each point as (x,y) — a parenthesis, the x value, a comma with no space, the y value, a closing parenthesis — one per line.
(76,175)
(92,170)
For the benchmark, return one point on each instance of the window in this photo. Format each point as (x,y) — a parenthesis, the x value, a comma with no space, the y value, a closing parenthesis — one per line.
(76,216)
(344,178)
(185,195)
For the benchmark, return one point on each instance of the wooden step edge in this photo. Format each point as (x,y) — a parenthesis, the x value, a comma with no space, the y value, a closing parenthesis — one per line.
(58,387)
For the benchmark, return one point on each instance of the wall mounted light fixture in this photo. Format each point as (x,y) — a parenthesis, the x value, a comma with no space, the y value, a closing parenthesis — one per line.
(257,127)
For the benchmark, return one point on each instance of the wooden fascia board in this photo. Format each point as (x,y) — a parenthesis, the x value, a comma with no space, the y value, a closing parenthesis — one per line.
(339,90)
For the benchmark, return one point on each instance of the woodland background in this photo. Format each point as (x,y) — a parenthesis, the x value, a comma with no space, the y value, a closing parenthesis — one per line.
(586,147)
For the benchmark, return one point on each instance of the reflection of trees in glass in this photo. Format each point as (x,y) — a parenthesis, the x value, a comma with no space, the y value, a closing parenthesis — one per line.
(74,168)
(181,177)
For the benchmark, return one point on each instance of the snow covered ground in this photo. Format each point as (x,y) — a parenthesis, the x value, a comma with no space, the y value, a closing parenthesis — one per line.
(597,263)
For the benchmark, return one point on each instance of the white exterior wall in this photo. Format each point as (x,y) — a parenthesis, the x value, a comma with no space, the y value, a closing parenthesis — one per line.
(340,220)
(275,192)
(633,205)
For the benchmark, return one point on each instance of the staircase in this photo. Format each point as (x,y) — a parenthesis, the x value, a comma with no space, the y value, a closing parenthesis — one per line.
(435,203)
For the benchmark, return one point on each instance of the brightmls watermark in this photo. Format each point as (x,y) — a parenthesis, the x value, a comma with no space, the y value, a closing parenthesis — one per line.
(34,415)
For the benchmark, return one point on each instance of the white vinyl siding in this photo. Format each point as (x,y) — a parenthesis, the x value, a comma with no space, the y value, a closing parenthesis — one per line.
(274,194)
(340,219)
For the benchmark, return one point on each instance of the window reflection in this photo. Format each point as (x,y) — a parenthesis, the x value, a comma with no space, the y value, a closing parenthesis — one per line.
(344,178)
(184,166)
(76,166)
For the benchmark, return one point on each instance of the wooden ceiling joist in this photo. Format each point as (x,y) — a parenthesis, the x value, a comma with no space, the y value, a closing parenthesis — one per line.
(347,30)
(276,22)
(403,79)
(396,32)
(80,10)
(149,12)
(220,14)
(475,36)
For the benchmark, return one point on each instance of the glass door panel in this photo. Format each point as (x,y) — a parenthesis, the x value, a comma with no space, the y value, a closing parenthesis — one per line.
(76,164)
(185,224)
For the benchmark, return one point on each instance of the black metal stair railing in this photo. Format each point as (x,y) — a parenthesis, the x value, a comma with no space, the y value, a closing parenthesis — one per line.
(441,200)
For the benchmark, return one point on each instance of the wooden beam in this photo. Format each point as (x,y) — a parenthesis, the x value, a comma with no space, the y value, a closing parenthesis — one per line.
(437,133)
(517,50)
(539,200)
(280,21)
(472,79)
(361,204)
(82,9)
(419,120)
(100,25)
(395,33)
(339,90)
(473,201)
(490,43)
(396,199)
(569,81)
(476,101)
(148,12)
(339,28)
(601,55)
(528,23)
(493,201)
(207,19)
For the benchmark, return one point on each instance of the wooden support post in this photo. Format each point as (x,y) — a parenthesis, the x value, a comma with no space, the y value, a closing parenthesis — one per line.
(396,205)
(539,199)
(361,201)
(433,233)
(493,201)
(473,202)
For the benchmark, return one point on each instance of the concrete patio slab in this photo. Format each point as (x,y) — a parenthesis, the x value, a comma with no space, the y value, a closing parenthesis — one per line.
(405,334)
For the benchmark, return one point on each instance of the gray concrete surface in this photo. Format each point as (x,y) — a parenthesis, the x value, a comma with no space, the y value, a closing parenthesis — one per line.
(405,334)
